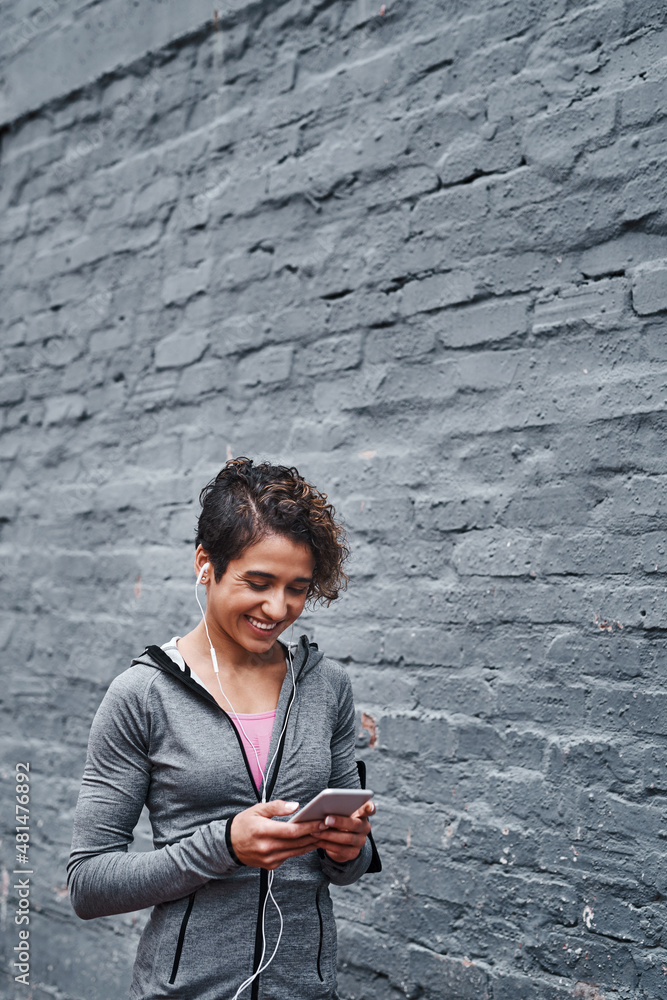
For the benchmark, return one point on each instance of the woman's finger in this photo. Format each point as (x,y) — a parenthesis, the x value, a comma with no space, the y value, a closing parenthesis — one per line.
(292,831)
(276,858)
(341,837)
(348,823)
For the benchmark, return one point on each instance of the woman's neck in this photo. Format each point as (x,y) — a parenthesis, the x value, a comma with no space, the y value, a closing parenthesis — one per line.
(235,656)
(252,683)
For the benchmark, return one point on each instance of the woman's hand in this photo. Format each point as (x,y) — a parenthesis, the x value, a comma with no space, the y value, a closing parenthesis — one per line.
(260,842)
(343,837)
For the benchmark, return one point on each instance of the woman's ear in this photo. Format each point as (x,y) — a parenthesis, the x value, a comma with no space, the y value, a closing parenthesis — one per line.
(202,564)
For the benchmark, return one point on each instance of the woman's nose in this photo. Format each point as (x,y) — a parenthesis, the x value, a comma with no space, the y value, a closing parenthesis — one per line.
(275,606)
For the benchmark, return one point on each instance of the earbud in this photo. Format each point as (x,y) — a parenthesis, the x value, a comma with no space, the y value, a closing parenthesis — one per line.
(200,578)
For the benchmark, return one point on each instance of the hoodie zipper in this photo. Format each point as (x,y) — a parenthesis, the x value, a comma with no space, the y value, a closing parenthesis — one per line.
(158,655)
(263,873)
(319,950)
(181,937)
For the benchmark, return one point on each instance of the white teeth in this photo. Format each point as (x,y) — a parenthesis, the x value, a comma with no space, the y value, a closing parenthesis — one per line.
(266,628)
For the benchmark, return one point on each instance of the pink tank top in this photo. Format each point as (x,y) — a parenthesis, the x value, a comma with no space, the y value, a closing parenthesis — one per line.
(258,729)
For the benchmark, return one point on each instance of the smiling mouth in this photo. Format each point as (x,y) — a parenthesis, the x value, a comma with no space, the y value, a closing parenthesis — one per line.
(260,626)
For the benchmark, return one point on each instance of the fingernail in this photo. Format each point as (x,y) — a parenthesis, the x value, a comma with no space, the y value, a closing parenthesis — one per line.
(330,821)
(291,806)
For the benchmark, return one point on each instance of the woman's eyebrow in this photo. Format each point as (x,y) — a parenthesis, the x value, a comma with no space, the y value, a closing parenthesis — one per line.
(272,576)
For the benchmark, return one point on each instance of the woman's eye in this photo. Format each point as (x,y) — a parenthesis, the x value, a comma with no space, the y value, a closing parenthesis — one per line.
(296,590)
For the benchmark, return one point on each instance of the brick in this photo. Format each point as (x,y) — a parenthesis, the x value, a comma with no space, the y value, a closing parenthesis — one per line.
(539,507)
(14,223)
(329,354)
(439,381)
(491,152)
(109,341)
(431,51)
(183,285)
(200,380)
(598,305)
(584,959)
(399,186)
(426,738)
(422,645)
(484,323)
(515,98)
(403,342)
(491,553)
(12,390)
(526,987)
(640,713)
(583,29)
(622,252)
(654,768)
(593,762)
(445,977)
(603,655)
(8,506)
(272,364)
(61,409)
(644,103)
(436,214)
(642,195)
(377,517)
(554,140)
(458,514)
(234,334)
(652,980)
(372,684)
(542,703)
(642,15)
(586,554)
(180,349)
(436,292)
(377,951)
(507,847)
(649,288)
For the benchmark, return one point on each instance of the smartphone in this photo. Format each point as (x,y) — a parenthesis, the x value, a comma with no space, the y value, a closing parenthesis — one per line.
(332,802)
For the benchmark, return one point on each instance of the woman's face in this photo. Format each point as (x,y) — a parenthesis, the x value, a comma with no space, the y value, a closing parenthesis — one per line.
(261,593)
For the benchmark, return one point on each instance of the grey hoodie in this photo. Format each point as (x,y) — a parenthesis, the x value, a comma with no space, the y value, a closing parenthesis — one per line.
(160,738)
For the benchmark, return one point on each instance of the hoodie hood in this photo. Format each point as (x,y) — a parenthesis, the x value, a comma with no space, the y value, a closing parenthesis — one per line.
(305,658)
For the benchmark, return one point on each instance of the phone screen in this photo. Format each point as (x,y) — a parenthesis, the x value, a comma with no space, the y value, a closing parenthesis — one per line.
(332,802)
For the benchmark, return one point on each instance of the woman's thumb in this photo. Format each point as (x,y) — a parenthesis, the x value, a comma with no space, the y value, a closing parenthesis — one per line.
(277,807)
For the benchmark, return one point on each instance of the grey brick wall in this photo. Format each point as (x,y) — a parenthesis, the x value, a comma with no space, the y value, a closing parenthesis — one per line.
(420,251)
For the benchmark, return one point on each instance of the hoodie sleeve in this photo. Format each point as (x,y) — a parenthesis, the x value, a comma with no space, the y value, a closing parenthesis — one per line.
(102,877)
(344,774)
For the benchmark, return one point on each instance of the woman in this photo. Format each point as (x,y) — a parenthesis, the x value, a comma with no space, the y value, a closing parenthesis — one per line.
(222,733)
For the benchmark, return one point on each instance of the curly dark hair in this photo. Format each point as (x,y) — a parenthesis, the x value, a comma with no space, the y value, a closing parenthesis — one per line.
(246,502)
